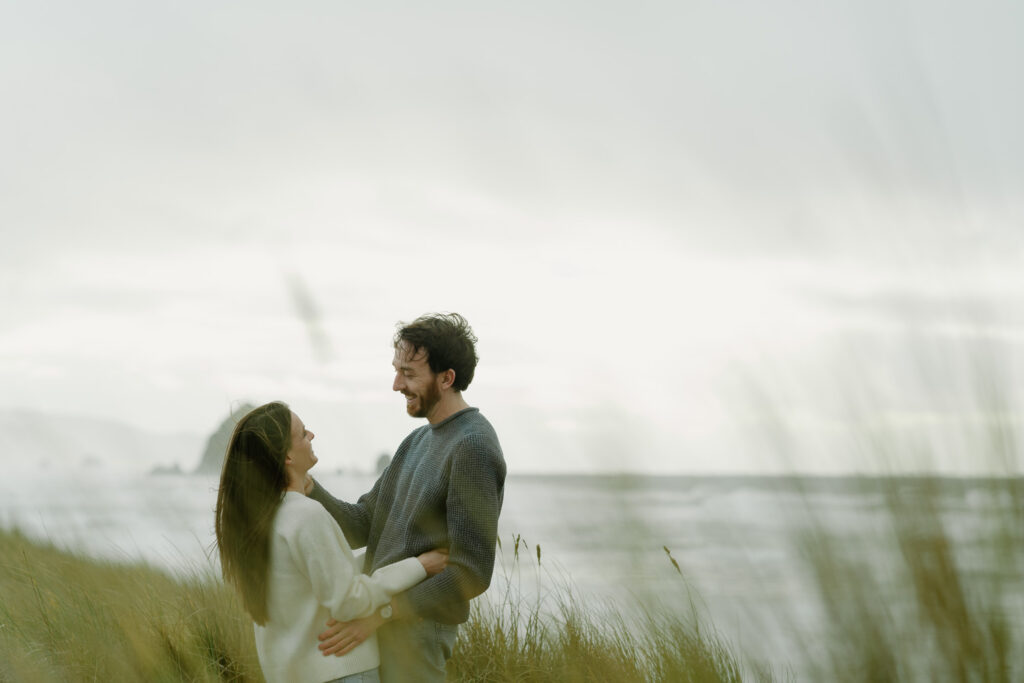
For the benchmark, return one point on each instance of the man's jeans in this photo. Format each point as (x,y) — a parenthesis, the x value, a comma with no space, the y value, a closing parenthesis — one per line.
(415,650)
(371,676)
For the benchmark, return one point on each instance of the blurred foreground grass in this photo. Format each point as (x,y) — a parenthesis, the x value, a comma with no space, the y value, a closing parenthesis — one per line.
(919,597)
(932,589)
(944,601)
(66,618)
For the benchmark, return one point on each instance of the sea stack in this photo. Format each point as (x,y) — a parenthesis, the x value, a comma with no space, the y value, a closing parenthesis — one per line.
(217,444)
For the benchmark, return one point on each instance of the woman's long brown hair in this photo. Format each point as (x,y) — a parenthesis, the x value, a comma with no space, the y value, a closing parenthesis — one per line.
(252,484)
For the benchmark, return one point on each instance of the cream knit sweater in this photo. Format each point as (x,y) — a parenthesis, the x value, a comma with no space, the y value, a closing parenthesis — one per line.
(314,576)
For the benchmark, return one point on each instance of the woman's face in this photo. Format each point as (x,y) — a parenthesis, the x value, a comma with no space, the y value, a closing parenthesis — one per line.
(300,455)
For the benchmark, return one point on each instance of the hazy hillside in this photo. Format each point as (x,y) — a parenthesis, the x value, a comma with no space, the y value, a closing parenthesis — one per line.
(30,439)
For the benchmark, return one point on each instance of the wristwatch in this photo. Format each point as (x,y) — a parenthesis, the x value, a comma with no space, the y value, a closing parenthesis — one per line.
(386,612)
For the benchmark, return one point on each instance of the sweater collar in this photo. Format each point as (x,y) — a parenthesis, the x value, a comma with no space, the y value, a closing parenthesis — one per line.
(453,416)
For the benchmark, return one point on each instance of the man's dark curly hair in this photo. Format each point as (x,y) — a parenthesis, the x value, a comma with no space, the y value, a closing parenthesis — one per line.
(448,341)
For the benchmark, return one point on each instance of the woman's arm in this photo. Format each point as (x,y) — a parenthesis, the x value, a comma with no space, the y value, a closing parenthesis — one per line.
(319,547)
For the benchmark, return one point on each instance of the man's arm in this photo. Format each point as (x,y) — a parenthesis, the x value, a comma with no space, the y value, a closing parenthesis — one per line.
(353,518)
(475,491)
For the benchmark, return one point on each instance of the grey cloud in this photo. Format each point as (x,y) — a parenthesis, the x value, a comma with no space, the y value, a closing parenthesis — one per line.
(733,128)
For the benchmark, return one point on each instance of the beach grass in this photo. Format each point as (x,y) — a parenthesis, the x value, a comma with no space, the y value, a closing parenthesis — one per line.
(944,607)
(912,599)
(70,618)
(910,595)
(550,633)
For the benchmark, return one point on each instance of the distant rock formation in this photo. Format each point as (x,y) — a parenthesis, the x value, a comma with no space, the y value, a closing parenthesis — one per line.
(170,470)
(382,463)
(217,444)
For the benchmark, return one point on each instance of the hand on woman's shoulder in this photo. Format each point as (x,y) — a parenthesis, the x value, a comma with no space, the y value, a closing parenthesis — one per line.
(297,510)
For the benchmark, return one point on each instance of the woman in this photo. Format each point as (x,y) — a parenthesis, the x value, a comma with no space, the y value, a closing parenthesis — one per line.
(288,558)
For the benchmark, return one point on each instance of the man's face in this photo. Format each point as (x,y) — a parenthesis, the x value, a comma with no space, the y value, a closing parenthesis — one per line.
(415,380)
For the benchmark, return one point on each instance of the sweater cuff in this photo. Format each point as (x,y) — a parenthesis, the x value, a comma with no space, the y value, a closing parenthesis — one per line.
(400,576)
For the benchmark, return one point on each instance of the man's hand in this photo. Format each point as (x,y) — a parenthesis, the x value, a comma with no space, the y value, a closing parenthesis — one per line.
(342,636)
(307,487)
(434,561)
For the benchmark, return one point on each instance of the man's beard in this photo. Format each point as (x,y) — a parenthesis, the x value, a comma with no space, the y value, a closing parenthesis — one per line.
(430,398)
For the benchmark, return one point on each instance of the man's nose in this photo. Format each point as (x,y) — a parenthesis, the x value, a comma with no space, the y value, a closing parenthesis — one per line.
(398,384)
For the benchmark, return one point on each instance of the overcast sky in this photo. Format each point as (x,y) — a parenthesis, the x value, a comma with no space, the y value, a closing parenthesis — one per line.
(665,221)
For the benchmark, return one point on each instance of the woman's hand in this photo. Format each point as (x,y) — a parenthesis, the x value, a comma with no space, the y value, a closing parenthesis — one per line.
(341,637)
(434,561)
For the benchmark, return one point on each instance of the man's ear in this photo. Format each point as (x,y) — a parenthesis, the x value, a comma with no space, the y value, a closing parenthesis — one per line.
(447,378)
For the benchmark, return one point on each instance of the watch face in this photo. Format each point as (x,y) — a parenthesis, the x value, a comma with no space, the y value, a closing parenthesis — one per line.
(385,612)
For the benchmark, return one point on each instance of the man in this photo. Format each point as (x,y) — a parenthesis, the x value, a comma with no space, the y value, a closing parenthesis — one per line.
(443,489)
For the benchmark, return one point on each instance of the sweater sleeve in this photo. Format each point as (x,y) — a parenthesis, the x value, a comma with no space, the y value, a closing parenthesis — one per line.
(475,491)
(320,548)
(353,518)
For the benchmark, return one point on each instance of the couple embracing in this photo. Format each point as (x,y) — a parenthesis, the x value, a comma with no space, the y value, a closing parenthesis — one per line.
(429,525)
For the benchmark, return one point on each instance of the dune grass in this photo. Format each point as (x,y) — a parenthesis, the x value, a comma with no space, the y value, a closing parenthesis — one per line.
(68,618)
(944,609)
(554,635)
(939,609)
(914,600)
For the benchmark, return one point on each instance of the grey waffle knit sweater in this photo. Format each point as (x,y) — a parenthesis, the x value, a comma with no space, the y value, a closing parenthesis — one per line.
(443,489)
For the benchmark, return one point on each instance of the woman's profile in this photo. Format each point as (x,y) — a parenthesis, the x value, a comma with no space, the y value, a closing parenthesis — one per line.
(289,560)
